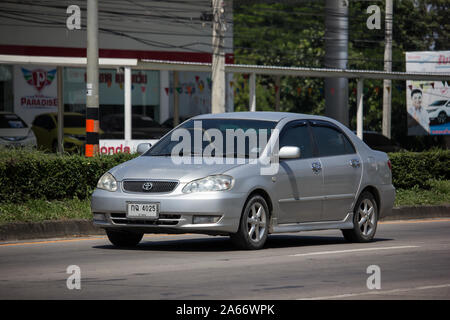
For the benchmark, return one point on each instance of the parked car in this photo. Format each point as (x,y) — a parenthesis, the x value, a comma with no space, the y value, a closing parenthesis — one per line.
(439,111)
(45,127)
(377,141)
(326,178)
(169,122)
(14,132)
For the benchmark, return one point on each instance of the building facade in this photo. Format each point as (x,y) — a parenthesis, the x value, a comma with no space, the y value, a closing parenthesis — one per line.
(143,30)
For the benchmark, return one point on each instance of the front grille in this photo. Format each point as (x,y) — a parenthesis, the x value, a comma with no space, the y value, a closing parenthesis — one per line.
(156,186)
(163,220)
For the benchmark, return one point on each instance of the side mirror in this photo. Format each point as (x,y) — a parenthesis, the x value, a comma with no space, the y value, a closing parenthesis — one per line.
(289,153)
(143,147)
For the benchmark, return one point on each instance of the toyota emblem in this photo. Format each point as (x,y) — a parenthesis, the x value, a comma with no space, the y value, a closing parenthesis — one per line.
(147,186)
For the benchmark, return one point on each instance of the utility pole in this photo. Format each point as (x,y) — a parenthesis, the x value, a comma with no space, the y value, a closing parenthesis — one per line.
(218,58)
(60,89)
(92,100)
(336,57)
(387,84)
(176,100)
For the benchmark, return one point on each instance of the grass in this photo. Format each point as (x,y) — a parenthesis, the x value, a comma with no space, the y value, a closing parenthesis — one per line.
(40,210)
(438,193)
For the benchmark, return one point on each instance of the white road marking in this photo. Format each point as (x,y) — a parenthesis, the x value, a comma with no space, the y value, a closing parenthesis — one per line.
(378,292)
(350,250)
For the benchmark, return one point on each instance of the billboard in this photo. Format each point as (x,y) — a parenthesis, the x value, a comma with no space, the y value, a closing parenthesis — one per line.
(144,89)
(35,91)
(428,102)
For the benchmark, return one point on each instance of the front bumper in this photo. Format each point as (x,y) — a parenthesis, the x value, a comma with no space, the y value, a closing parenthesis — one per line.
(25,143)
(176,211)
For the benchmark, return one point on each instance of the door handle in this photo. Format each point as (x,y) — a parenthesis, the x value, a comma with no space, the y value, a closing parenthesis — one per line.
(355,163)
(316,167)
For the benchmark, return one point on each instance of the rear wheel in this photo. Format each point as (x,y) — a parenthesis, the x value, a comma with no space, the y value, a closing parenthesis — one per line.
(123,238)
(365,219)
(253,227)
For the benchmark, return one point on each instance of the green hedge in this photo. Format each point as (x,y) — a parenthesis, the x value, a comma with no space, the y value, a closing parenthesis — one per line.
(26,175)
(415,169)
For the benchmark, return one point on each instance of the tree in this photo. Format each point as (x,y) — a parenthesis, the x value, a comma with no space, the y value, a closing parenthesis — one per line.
(292,34)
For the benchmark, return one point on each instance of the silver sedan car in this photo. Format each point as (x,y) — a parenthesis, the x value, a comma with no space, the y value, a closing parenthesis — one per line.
(210,175)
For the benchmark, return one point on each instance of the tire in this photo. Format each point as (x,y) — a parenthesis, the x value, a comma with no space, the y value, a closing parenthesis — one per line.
(365,220)
(123,238)
(253,225)
(442,118)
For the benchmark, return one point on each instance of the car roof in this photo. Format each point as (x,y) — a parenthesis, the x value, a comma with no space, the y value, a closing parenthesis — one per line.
(257,115)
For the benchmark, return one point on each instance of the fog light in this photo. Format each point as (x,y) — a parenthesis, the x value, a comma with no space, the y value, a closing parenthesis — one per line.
(99,217)
(205,219)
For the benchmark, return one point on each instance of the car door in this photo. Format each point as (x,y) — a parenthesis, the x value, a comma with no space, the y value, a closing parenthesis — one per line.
(299,181)
(342,169)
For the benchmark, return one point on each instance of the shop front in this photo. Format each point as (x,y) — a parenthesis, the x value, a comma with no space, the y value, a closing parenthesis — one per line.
(31,92)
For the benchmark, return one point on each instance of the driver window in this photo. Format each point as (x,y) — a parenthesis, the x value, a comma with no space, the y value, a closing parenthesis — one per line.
(298,136)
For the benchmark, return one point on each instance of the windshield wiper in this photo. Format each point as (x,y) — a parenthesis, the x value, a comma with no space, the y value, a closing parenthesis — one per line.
(160,155)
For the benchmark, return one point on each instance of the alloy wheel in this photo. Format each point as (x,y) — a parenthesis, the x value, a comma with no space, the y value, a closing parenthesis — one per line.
(367,217)
(256,222)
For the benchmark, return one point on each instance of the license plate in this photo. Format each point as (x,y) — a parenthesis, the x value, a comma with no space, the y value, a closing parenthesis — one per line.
(143,210)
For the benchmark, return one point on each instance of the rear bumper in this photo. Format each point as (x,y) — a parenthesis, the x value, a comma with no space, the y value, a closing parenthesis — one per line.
(176,211)
(387,199)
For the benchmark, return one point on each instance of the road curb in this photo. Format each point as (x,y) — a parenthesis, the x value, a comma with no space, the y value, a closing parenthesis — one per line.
(48,229)
(76,228)
(417,212)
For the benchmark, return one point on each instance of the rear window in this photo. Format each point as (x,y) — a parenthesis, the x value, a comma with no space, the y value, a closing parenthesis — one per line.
(11,121)
(74,121)
(331,142)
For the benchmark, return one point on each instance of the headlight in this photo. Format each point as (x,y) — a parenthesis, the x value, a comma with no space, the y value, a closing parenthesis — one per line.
(431,110)
(211,183)
(107,182)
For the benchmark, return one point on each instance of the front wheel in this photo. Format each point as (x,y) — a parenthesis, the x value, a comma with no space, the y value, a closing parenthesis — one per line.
(123,238)
(365,220)
(253,226)
(442,118)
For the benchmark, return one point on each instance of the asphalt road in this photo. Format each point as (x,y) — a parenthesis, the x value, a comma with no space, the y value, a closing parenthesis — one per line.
(413,257)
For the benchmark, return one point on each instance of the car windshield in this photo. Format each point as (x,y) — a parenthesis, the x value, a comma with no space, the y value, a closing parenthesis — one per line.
(438,103)
(236,138)
(11,121)
(74,121)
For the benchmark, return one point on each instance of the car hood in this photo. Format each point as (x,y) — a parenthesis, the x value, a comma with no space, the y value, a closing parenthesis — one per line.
(75,130)
(147,167)
(78,130)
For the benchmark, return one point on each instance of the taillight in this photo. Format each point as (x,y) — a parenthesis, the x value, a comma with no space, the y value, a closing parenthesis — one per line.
(389,165)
